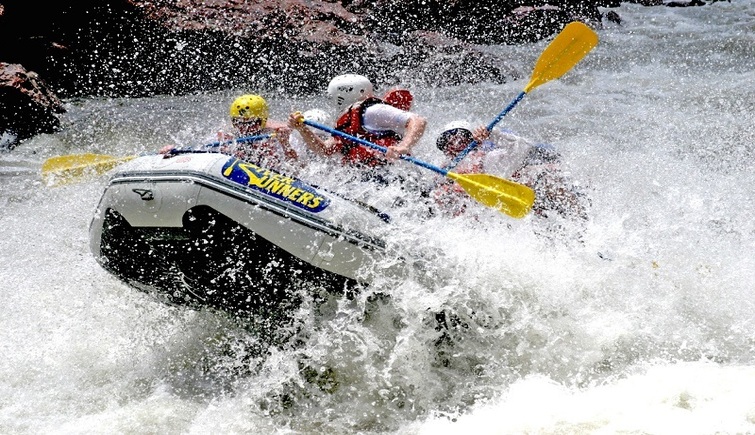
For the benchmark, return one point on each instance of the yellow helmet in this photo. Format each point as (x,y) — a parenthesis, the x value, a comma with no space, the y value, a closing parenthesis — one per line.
(250,106)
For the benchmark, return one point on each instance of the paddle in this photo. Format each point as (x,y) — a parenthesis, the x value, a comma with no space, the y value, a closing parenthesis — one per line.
(509,197)
(64,169)
(565,51)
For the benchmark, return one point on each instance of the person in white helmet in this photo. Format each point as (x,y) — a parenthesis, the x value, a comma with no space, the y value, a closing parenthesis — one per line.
(502,152)
(321,117)
(366,117)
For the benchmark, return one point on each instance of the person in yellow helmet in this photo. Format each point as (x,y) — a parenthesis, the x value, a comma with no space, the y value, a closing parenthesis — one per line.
(250,119)
(249,115)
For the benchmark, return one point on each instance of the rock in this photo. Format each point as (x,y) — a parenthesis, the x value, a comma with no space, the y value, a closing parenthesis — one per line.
(612,17)
(118,48)
(27,106)
(141,48)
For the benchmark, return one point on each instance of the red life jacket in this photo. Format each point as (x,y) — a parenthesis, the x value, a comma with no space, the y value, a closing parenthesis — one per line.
(399,98)
(352,123)
(267,153)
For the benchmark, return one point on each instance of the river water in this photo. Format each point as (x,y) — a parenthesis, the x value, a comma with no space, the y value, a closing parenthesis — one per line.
(645,326)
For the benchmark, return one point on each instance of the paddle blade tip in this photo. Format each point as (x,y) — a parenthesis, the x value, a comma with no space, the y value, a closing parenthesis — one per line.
(60,170)
(506,196)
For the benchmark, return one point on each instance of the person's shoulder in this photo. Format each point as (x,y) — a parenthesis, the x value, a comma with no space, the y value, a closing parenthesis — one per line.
(543,153)
(506,133)
(382,109)
(488,145)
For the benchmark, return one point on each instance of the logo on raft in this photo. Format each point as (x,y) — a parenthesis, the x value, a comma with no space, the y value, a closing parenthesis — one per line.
(276,185)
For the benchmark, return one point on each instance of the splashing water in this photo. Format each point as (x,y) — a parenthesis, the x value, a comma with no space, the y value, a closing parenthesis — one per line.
(643,326)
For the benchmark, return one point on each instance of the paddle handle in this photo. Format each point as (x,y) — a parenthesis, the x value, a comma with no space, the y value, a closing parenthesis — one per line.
(505,111)
(506,196)
(375,146)
(459,157)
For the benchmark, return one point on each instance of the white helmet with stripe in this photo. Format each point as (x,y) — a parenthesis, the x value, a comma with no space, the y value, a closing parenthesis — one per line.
(456,125)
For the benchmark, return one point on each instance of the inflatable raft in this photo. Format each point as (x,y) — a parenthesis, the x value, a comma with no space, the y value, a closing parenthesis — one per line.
(207,229)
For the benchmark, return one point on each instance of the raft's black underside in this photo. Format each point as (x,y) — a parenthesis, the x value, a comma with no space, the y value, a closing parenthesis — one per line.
(212,261)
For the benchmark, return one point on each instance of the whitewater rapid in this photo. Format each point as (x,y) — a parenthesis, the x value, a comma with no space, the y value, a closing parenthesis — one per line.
(643,327)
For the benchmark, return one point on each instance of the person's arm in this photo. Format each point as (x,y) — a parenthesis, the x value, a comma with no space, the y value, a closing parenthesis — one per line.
(415,128)
(282,134)
(311,140)
(384,117)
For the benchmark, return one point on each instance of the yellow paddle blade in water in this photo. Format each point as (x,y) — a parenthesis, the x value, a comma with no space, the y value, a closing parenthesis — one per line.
(509,197)
(569,47)
(64,169)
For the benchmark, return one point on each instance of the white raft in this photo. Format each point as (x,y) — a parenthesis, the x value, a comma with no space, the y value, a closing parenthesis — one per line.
(207,229)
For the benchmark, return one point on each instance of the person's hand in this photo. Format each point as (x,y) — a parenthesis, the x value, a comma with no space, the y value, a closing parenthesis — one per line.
(166,149)
(296,120)
(480,134)
(395,152)
(223,136)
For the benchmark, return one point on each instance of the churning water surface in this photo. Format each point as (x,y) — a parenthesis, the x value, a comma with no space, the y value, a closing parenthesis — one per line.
(643,326)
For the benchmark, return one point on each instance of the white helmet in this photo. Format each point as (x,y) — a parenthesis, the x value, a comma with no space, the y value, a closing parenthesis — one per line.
(451,129)
(347,89)
(319,116)
(455,125)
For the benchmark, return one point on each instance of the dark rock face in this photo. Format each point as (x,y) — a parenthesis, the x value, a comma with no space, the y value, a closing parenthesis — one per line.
(27,106)
(139,47)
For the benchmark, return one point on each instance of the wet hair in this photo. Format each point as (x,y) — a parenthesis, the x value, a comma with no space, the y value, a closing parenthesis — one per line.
(442,141)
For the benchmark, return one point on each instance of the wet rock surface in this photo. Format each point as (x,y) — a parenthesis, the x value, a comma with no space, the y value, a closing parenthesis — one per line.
(27,106)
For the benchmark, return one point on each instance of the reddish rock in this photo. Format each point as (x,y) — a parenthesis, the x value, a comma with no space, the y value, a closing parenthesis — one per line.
(27,106)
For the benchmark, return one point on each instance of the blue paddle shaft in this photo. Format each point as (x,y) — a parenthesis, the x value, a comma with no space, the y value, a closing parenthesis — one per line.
(374,146)
(239,140)
(459,157)
(218,144)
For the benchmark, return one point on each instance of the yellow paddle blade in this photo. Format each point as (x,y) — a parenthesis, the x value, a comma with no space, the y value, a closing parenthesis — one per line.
(509,197)
(64,169)
(569,47)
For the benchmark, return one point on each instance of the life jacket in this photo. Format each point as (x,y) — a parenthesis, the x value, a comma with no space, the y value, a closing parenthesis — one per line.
(267,153)
(399,98)
(352,123)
